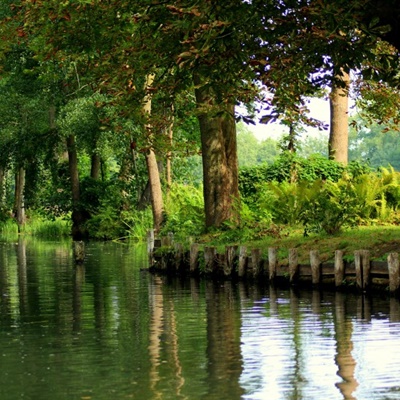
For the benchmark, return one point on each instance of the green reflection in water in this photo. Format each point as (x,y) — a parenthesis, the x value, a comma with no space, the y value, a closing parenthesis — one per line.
(108,330)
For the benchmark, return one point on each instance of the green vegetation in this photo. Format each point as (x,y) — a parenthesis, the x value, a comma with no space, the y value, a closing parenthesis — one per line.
(118,116)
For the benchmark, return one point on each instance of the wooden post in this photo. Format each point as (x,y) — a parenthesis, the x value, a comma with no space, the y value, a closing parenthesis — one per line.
(366,268)
(230,257)
(256,262)
(272,263)
(358,266)
(209,259)
(393,267)
(293,265)
(363,267)
(178,247)
(194,258)
(78,250)
(242,261)
(315,267)
(339,268)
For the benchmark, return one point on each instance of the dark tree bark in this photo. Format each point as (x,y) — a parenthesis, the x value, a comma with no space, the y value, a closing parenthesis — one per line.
(2,185)
(219,153)
(95,168)
(19,203)
(79,216)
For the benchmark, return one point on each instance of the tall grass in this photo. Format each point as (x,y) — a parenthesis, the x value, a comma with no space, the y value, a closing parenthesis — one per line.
(8,229)
(47,229)
(37,227)
(137,223)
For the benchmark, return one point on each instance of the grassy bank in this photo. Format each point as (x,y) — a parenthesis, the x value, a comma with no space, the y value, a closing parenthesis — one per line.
(379,240)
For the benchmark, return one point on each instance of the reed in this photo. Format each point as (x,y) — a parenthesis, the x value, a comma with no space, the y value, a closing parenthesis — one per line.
(48,229)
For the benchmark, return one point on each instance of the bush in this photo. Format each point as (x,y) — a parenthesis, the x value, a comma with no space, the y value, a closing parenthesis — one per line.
(334,206)
(291,168)
(184,211)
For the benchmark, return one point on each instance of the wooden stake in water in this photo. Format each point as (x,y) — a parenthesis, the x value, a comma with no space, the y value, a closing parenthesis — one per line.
(272,262)
(79,251)
(293,265)
(393,267)
(242,261)
(315,267)
(194,257)
(339,268)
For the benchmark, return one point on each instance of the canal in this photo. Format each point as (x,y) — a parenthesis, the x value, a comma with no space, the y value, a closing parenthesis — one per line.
(107,329)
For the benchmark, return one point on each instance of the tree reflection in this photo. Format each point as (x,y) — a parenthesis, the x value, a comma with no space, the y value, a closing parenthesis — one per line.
(22,277)
(344,347)
(79,280)
(223,341)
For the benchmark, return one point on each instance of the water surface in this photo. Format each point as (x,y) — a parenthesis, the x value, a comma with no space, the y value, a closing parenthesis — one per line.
(107,330)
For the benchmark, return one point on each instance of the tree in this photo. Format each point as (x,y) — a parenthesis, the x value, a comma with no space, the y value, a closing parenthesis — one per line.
(339,121)
(207,49)
(294,48)
(375,144)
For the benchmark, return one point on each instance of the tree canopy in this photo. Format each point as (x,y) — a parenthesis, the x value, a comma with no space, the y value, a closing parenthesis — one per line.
(87,72)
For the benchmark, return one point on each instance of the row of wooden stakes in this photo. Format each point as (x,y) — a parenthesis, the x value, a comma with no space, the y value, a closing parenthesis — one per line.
(242,263)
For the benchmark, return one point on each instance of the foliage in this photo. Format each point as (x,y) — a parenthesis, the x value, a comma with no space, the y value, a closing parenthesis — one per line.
(50,229)
(252,152)
(374,142)
(137,223)
(75,59)
(327,204)
(184,211)
(290,167)
(333,207)
(104,201)
(287,201)
(253,224)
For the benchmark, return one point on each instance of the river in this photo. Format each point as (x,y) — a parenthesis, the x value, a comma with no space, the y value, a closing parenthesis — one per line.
(107,329)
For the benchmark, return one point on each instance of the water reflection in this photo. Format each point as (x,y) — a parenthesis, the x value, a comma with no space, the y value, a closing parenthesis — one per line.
(105,330)
(344,347)
(223,341)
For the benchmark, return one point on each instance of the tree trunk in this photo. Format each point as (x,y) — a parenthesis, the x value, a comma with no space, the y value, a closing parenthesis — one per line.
(152,167)
(2,186)
(145,198)
(169,132)
(79,217)
(95,166)
(219,153)
(339,133)
(155,189)
(19,205)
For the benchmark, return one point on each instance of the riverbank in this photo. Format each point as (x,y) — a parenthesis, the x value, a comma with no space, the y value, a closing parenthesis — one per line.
(365,258)
(380,240)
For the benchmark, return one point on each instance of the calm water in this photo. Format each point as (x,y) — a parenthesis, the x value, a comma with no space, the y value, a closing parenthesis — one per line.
(106,330)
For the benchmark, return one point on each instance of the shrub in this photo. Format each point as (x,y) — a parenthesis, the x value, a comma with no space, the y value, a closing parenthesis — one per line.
(291,168)
(184,211)
(333,207)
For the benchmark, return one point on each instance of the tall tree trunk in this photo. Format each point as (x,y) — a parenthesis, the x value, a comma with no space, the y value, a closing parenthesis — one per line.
(170,132)
(155,189)
(95,167)
(339,133)
(152,167)
(292,138)
(219,153)
(2,186)
(19,204)
(79,217)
